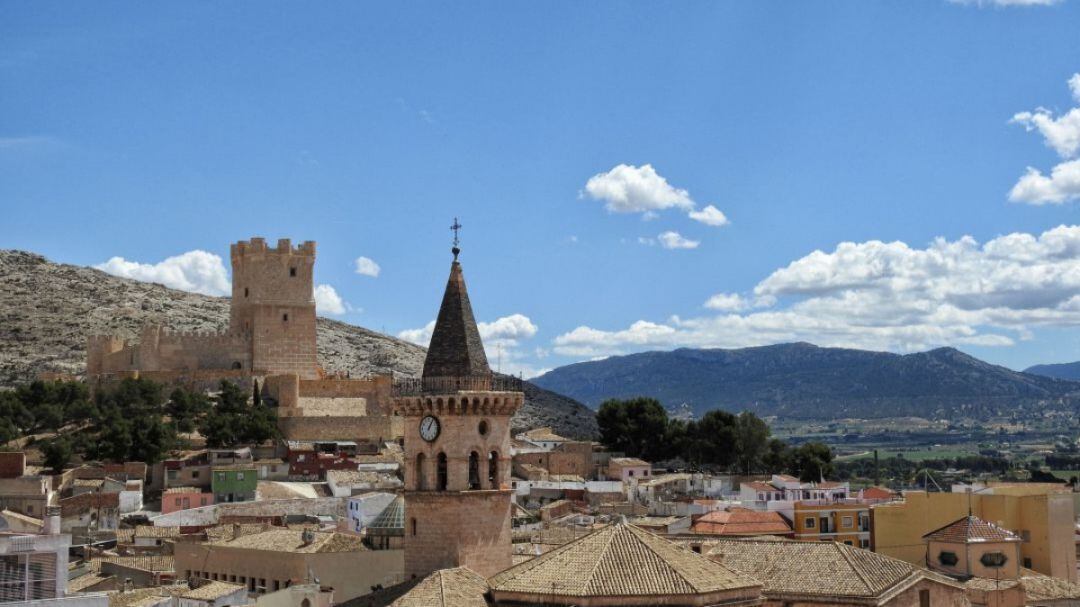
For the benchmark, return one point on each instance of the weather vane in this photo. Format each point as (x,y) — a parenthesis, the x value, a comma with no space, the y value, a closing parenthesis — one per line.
(456,228)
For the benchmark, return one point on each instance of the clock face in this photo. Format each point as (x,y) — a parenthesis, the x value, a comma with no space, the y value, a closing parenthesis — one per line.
(429,428)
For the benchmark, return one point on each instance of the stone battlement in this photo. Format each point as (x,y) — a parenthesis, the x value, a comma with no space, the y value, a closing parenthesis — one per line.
(258,246)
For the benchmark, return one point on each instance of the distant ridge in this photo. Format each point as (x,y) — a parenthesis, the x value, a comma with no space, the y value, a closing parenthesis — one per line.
(48,309)
(801,380)
(1069,371)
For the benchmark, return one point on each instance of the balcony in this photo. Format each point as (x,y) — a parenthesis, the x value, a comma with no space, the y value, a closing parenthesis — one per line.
(416,386)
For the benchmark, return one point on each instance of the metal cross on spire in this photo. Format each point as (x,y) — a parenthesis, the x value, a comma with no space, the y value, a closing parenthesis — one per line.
(456,228)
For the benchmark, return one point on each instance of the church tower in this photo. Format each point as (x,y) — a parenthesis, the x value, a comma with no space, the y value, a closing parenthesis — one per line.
(457,447)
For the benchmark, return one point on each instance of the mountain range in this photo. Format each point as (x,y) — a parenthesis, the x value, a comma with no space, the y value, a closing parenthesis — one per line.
(801,380)
(47,310)
(1070,371)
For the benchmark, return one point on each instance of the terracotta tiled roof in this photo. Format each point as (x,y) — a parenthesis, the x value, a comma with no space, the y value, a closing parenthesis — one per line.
(278,539)
(822,569)
(1039,587)
(877,493)
(77,504)
(146,563)
(972,529)
(220,533)
(209,591)
(85,581)
(543,434)
(760,486)
(156,532)
(628,461)
(620,560)
(458,587)
(742,522)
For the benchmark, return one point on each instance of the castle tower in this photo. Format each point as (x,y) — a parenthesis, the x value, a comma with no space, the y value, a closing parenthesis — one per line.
(273,299)
(457,448)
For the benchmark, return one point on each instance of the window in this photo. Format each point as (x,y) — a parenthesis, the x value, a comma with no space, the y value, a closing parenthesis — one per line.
(421,472)
(221,476)
(292,271)
(245,291)
(285,318)
(483,428)
(846,521)
(924,598)
(412,525)
(474,470)
(810,522)
(947,558)
(239,476)
(631,473)
(493,469)
(993,559)
(849,542)
(440,472)
(1027,562)
(194,474)
(864,544)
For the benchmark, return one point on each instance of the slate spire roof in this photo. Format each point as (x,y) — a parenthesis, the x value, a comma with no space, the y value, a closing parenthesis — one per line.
(622,561)
(456,349)
(972,529)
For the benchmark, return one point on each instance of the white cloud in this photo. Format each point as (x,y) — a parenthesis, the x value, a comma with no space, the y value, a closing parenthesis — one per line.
(1063,135)
(630,189)
(502,341)
(327,301)
(674,240)
(645,240)
(710,216)
(365,266)
(195,271)
(420,337)
(883,296)
(727,302)
(513,328)
(1062,185)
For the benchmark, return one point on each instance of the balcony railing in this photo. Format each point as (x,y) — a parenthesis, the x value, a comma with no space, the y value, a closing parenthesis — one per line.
(415,386)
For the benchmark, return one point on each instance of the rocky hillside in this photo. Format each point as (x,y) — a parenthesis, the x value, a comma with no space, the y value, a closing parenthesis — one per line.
(48,309)
(804,381)
(1070,371)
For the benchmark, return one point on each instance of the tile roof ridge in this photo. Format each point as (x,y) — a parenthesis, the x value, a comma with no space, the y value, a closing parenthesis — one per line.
(650,536)
(603,554)
(842,549)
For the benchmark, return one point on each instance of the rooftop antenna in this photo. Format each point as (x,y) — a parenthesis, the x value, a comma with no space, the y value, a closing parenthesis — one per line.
(456,229)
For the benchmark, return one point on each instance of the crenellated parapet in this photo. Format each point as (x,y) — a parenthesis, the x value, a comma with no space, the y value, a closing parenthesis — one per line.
(460,403)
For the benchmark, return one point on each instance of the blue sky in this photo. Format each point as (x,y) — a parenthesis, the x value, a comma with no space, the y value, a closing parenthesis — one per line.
(573,140)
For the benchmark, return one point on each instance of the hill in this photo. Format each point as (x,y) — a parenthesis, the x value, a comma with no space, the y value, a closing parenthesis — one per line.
(1069,371)
(47,310)
(802,380)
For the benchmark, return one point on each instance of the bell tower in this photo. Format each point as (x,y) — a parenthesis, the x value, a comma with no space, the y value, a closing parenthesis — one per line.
(457,447)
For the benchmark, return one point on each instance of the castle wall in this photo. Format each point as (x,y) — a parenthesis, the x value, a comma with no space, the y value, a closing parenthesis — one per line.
(369,429)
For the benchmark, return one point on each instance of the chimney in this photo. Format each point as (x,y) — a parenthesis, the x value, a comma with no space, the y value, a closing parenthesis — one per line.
(51,523)
(128,585)
(307,536)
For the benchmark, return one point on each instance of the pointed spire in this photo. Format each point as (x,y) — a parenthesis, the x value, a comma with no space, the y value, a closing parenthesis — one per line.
(456,349)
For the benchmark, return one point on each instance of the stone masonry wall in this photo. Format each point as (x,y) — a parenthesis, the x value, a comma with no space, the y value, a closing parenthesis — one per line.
(451,529)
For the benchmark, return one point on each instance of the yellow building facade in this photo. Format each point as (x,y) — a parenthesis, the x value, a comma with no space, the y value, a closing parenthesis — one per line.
(1041,515)
(832,522)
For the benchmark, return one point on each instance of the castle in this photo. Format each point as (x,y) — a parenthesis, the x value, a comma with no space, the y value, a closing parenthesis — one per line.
(271,325)
(271,339)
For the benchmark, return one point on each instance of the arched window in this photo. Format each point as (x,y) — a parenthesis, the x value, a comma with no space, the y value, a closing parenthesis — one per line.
(440,473)
(421,472)
(474,470)
(237,365)
(493,469)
